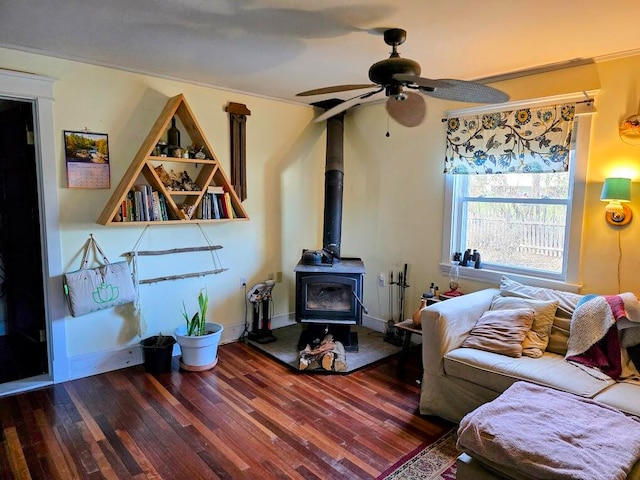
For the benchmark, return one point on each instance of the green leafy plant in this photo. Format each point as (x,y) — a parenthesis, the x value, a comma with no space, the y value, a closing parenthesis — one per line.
(197,325)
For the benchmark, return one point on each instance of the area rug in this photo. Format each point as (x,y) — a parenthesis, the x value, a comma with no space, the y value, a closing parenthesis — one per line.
(436,461)
(372,348)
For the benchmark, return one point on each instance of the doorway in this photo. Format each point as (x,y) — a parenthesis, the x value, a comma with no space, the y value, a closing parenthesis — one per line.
(23,343)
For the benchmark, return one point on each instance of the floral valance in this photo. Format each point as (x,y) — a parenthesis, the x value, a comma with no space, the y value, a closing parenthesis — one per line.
(527,140)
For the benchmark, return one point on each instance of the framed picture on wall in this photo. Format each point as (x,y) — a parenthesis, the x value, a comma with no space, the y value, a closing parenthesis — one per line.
(87,159)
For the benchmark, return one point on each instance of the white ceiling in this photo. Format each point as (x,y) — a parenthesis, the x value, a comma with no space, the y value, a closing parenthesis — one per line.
(278,48)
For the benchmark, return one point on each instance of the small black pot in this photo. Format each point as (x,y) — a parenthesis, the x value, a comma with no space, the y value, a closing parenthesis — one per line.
(157,352)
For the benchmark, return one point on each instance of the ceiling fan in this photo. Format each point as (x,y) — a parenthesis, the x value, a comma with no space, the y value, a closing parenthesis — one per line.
(397,77)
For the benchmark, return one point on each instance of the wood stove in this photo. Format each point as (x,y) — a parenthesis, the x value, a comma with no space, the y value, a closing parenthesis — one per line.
(329,288)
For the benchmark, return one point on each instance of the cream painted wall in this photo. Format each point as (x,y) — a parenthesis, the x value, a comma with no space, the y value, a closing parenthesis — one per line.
(394,190)
(285,159)
(395,186)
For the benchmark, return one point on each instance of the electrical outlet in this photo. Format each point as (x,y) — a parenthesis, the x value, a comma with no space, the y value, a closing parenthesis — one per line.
(279,277)
(243,282)
(382,281)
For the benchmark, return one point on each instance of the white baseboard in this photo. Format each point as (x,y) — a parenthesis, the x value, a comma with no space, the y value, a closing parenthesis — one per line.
(104,361)
(374,323)
(107,360)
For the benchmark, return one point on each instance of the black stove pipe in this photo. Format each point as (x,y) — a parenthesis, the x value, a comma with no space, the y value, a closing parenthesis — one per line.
(333,188)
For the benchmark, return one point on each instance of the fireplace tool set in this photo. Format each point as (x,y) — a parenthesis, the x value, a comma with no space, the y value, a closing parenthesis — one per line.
(260,297)
(393,336)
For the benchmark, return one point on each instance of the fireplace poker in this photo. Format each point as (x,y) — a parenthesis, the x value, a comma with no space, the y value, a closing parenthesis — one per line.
(402,285)
(391,295)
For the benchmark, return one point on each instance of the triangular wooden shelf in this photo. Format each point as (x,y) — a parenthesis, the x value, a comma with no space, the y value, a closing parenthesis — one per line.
(143,165)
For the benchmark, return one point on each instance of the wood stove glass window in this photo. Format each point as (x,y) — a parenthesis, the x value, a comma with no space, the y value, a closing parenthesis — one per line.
(329,296)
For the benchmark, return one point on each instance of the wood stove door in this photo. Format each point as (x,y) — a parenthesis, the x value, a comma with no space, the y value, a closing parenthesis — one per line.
(326,298)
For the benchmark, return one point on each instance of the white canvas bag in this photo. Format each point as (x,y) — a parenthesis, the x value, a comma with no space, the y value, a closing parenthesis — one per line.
(91,289)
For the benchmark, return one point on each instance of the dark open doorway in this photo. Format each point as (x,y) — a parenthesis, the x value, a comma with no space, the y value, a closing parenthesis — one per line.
(23,345)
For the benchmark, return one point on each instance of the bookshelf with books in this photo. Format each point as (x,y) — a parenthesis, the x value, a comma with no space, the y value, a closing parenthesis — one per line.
(173,189)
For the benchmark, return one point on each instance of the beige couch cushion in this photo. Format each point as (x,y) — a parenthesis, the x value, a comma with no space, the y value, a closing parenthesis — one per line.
(537,338)
(623,395)
(501,331)
(498,372)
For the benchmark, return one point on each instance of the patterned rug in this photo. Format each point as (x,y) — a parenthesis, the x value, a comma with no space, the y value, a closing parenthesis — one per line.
(436,461)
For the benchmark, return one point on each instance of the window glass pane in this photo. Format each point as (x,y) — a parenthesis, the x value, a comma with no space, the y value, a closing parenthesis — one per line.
(520,185)
(519,235)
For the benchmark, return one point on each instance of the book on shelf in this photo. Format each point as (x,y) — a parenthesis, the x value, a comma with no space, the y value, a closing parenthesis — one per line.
(142,202)
(215,189)
(155,202)
(228,205)
(221,206)
(123,211)
(163,207)
(138,212)
(215,206)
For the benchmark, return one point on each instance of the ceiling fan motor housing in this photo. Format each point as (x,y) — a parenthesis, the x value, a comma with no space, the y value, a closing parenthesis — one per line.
(382,72)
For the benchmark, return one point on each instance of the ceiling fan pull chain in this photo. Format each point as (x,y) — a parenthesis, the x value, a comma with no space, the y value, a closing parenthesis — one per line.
(388,134)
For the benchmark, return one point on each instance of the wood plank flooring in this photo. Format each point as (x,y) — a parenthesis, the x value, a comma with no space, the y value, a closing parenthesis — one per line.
(249,417)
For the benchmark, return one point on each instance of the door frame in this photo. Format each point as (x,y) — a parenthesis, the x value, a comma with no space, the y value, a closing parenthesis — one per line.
(38,89)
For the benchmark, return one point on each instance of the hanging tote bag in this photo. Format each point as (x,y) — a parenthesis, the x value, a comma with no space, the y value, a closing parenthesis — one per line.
(91,289)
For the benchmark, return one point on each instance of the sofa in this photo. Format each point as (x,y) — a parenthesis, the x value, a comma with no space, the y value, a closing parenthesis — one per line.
(459,375)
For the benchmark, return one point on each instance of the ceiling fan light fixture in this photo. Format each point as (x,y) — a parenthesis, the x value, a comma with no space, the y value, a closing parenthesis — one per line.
(393,90)
(401,97)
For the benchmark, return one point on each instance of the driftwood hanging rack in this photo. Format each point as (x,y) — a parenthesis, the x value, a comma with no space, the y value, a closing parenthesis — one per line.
(207,248)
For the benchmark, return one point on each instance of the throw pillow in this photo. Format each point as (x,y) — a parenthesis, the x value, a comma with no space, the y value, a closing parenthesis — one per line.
(536,340)
(501,331)
(567,300)
(560,329)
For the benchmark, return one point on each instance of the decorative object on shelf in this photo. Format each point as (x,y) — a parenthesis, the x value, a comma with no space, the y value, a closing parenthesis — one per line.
(454,280)
(181,205)
(87,159)
(200,155)
(629,130)
(238,114)
(161,149)
(198,339)
(173,139)
(466,258)
(91,289)
(417,315)
(475,257)
(617,192)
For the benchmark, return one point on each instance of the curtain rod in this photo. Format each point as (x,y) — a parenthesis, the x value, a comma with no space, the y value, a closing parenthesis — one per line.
(584,97)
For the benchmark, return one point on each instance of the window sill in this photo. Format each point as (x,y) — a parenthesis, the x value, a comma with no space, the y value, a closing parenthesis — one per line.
(493,277)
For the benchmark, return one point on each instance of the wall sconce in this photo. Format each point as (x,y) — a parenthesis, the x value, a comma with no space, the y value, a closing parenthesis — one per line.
(617,191)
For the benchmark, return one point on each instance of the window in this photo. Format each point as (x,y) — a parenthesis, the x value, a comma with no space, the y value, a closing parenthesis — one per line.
(525,225)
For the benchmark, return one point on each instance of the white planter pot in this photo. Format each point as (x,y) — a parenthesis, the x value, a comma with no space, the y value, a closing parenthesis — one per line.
(199,352)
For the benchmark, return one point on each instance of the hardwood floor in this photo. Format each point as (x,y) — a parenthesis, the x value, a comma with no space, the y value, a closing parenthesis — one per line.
(249,417)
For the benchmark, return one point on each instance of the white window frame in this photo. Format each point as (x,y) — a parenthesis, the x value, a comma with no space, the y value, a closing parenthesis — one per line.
(569,279)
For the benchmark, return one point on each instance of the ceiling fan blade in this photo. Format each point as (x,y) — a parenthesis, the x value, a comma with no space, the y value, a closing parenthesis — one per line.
(345,105)
(427,83)
(464,91)
(334,89)
(409,112)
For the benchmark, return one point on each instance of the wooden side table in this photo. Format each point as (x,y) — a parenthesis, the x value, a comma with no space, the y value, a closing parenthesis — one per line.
(409,328)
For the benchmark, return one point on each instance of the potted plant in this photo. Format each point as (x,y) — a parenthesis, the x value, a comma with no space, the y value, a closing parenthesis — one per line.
(198,339)
(157,352)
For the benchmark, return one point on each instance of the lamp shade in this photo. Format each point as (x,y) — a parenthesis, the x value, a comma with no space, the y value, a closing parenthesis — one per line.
(616,189)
